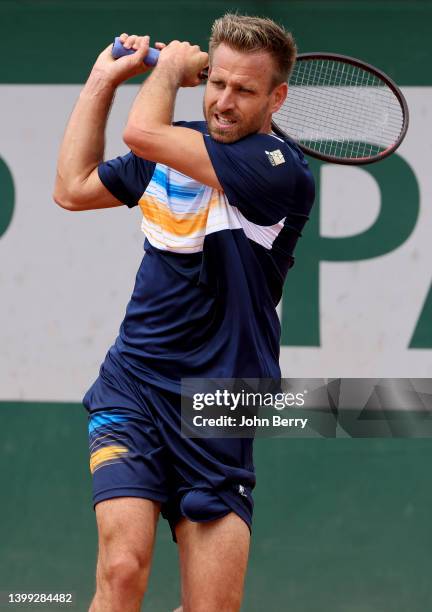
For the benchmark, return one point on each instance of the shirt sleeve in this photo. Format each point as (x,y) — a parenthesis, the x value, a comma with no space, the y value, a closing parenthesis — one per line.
(260,175)
(126,177)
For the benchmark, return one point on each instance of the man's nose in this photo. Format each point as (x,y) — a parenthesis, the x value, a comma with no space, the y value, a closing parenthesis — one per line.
(225,101)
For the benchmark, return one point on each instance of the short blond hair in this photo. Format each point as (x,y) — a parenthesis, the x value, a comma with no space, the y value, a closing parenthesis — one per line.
(252,34)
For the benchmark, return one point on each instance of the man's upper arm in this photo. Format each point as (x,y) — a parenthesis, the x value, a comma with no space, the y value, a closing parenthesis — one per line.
(118,181)
(264,177)
(87,194)
(94,194)
(178,147)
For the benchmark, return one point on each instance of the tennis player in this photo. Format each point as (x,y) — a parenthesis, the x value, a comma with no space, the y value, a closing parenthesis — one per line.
(223,202)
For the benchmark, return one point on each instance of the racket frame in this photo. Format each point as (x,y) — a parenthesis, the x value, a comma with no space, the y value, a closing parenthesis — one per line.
(356,161)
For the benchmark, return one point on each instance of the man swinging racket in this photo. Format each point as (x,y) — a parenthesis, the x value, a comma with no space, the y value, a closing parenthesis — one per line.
(223,203)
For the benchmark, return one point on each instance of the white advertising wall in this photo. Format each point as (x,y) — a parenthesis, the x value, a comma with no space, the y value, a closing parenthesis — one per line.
(65,278)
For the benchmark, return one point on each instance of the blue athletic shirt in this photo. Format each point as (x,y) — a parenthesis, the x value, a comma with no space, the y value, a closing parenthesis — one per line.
(204,300)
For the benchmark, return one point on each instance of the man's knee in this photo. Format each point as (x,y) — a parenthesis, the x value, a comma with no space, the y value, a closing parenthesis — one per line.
(124,572)
(126,535)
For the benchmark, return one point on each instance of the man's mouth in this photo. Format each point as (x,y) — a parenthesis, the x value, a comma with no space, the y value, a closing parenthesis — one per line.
(224,122)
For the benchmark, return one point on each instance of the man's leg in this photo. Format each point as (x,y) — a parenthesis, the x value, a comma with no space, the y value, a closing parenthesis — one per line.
(213,561)
(126,530)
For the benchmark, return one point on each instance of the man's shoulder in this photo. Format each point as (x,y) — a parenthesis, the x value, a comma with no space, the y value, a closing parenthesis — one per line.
(277,151)
(259,143)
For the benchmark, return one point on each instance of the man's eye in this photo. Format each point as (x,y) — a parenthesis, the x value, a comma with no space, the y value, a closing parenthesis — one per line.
(218,84)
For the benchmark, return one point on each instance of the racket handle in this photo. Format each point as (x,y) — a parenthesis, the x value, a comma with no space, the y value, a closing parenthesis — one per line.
(119,51)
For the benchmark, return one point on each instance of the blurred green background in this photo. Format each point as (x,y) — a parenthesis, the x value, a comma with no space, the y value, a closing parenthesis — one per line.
(342,525)
(53,41)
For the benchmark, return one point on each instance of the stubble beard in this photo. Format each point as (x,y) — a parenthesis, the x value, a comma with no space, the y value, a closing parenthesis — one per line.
(239,130)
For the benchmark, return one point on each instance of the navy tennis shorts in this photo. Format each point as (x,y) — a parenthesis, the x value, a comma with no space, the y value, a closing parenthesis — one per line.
(137,450)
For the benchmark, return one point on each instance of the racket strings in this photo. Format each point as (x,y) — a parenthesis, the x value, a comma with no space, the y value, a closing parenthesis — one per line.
(339,109)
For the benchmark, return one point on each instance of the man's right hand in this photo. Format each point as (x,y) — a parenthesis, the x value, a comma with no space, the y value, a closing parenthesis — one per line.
(120,70)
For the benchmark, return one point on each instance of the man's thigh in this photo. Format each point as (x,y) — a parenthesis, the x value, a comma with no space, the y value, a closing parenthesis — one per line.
(126,524)
(126,534)
(213,562)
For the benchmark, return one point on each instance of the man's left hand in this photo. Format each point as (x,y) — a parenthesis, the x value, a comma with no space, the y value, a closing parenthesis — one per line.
(185,60)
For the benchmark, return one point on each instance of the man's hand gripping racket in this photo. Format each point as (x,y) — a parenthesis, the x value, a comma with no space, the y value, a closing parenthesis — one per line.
(339,109)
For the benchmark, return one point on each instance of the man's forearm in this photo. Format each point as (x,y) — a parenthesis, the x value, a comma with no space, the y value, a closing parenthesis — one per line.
(149,132)
(152,109)
(83,144)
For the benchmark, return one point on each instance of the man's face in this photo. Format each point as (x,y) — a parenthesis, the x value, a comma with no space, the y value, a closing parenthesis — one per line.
(239,99)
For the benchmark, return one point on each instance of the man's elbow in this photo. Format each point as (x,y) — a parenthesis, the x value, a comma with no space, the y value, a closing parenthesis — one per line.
(63,203)
(66,200)
(140,140)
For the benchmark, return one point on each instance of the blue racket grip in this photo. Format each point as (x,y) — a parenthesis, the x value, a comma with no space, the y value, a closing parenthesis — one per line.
(119,51)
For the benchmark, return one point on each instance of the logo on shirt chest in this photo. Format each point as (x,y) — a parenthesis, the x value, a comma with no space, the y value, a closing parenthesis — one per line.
(275,157)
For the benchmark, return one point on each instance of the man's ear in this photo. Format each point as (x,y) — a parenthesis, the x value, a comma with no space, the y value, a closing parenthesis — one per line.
(279,95)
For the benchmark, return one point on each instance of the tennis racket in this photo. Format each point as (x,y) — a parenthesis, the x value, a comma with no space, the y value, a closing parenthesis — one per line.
(339,109)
